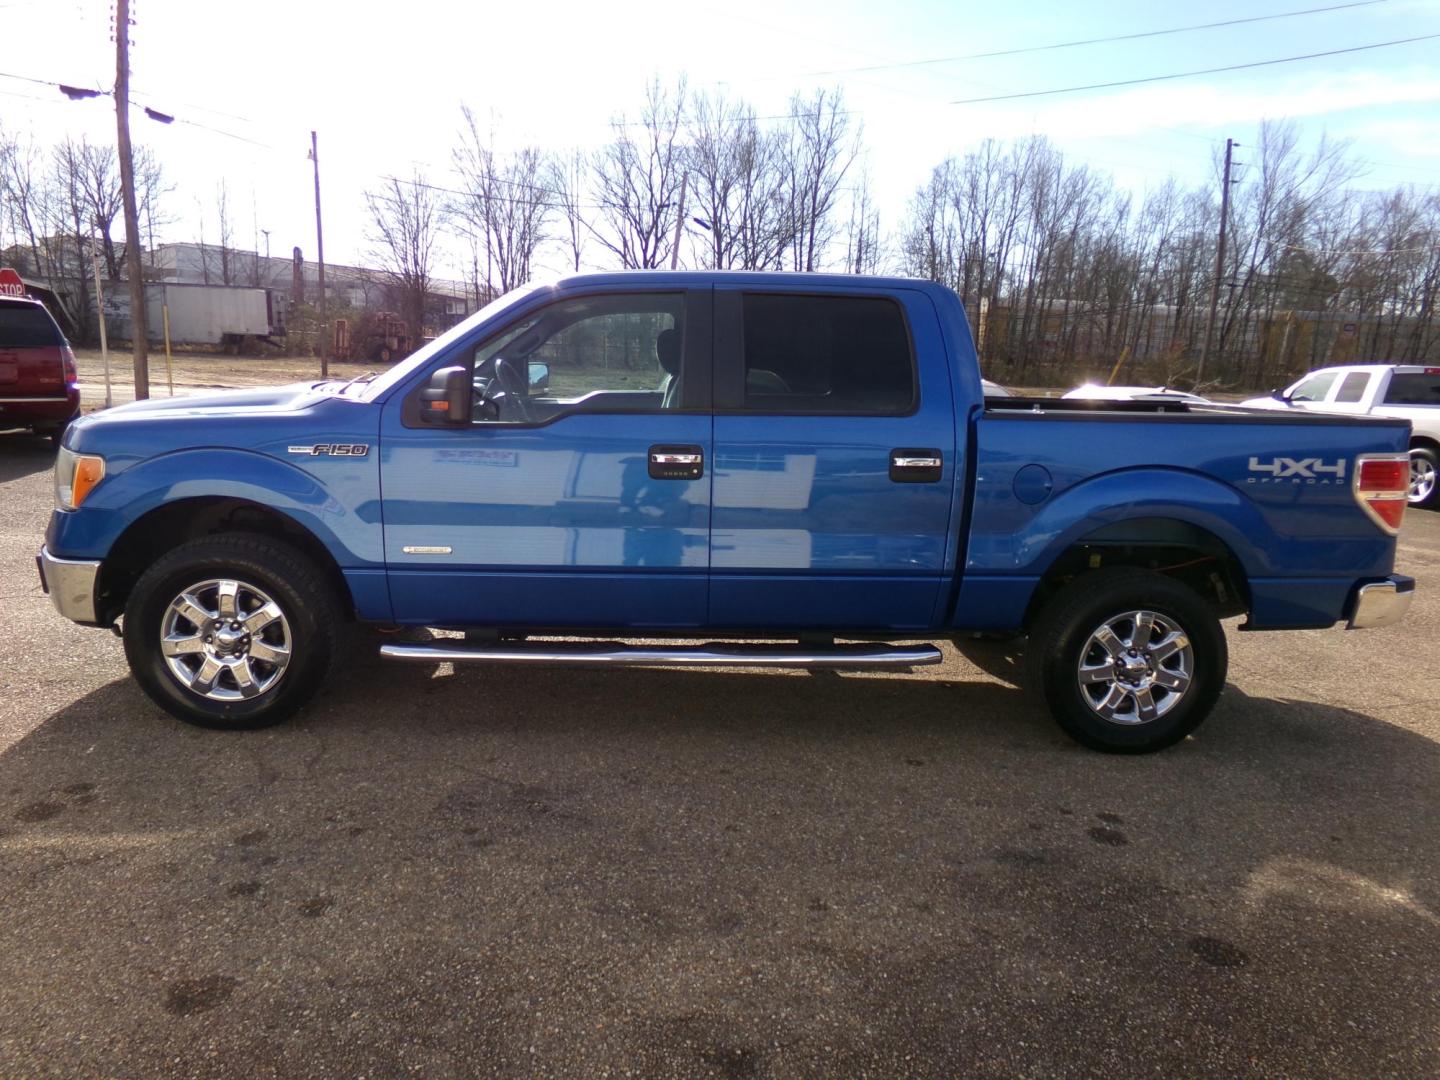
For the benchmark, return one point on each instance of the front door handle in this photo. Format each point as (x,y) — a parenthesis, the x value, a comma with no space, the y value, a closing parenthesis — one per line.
(677,462)
(916,466)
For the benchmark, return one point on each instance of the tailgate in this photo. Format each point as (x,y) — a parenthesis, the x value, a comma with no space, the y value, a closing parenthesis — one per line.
(32,372)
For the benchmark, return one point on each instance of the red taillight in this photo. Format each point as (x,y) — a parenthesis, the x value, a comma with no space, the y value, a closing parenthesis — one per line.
(1384,474)
(1382,483)
(67,358)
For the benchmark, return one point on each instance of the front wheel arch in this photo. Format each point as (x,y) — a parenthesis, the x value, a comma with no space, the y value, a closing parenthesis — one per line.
(171,524)
(269,677)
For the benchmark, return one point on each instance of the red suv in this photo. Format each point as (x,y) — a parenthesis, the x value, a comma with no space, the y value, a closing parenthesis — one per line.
(39,386)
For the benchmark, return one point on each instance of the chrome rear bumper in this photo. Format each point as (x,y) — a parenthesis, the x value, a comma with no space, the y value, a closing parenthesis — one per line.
(1381,603)
(71,585)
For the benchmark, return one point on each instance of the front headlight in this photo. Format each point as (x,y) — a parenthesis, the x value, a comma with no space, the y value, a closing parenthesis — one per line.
(75,477)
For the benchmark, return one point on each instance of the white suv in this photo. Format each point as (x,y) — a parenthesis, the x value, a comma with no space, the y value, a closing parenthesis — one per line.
(1408,391)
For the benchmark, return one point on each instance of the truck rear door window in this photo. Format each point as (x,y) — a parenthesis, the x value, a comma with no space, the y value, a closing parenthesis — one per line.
(1352,389)
(26,327)
(827,354)
(1413,388)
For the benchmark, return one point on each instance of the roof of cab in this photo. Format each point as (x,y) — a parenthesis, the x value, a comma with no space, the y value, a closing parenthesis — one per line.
(691,278)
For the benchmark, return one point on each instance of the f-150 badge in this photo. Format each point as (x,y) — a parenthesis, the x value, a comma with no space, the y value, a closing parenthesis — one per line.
(358,449)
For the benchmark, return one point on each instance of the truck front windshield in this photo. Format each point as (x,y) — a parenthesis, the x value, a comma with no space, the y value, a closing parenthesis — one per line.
(418,359)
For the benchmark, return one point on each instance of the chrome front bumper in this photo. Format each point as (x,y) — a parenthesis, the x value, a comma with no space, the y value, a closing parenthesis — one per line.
(71,585)
(1381,602)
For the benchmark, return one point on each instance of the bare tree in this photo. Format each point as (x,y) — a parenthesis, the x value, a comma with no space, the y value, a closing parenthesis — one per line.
(226,225)
(736,184)
(151,187)
(22,194)
(405,219)
(568,174)
(637,179)
(68,225)
(863,248)
(505,204)
(98,181)
(822,147)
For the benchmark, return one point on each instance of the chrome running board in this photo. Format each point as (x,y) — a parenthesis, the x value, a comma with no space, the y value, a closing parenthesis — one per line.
(712,654)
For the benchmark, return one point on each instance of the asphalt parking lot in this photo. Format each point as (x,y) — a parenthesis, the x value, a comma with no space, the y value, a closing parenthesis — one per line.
(658,873)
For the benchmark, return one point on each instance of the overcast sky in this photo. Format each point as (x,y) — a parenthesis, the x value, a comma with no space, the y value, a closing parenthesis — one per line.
(383,85)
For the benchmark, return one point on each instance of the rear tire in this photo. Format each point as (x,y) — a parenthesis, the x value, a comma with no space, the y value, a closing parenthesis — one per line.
(251,630)
(1424,476)
(1118,688)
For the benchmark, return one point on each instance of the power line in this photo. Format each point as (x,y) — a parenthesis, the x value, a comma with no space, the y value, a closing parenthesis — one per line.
(152,112)
(1360,251)
(1190,74)
(1098,40)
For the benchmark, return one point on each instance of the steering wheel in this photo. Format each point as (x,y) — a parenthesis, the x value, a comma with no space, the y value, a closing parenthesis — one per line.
(516,394)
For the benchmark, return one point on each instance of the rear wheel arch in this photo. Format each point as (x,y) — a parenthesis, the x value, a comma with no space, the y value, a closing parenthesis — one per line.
(165,527)
(1177,549)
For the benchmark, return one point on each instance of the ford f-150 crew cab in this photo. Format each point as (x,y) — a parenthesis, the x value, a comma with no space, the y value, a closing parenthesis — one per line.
(610,468)
(1403,391)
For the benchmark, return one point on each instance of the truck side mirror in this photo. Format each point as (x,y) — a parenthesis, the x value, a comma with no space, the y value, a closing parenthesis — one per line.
(446,400)
(539,377)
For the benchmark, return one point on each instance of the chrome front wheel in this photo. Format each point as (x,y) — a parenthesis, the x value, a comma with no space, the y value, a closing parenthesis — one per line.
(225,640)
(234,631)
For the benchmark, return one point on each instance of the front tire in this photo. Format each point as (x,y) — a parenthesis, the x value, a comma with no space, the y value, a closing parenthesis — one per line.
(1424,474)
(233,632)
(1129,661)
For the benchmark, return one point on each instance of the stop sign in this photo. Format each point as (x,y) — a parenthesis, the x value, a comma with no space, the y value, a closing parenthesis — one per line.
(10,283)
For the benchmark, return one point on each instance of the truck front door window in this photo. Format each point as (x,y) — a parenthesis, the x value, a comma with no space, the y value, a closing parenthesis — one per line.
(1314,388)
(592,354)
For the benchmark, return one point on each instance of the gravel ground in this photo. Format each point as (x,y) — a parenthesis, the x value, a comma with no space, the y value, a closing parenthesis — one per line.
(660,873)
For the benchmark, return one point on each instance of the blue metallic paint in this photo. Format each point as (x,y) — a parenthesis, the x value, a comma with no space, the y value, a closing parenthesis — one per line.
(809,528)
(572,498)
(599,547)
(1201,476)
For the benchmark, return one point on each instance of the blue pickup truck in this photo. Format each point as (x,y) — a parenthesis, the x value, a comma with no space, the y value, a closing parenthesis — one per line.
(796,470)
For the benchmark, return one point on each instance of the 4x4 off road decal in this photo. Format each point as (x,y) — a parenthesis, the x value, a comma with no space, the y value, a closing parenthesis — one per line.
(358,449)
(1284,470)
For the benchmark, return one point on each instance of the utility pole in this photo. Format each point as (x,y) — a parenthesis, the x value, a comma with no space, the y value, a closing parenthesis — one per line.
(320,255)
(138,332)
(679,223)
(1230,145)
(100,309)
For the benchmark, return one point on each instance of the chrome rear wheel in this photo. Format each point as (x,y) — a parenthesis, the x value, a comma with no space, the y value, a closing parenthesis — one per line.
(1135,667)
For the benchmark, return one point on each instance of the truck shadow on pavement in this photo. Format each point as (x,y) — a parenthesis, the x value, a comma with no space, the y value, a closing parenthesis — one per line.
(23,454)
(702,874)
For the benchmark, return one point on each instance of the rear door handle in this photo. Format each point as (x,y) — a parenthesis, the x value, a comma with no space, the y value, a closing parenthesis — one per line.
(916,466)
(677,462)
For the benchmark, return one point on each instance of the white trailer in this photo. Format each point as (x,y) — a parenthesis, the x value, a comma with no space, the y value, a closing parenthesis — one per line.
(199,314)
